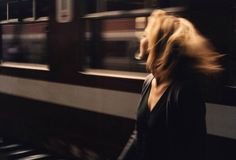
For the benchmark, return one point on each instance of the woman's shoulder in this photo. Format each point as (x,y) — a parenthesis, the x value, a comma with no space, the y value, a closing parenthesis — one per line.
(147,82)
(187,85)
(185,90)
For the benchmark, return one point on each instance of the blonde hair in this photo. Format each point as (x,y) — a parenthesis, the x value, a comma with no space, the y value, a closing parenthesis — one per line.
(174,42)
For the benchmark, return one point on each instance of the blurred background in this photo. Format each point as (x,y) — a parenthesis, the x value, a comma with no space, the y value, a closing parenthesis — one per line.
(70,82)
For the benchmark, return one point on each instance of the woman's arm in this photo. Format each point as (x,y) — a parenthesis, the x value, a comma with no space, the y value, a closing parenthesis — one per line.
(129,152)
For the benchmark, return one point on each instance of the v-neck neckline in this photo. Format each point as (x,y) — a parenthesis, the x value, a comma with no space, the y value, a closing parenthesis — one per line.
(160,99)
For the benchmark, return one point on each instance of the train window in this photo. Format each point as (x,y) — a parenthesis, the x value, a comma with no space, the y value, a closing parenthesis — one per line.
(27,8)
(124,4)
(42,8)
(24,42)
(91,6)
(113,5)
(113,40)
(13,9)
(3,10)
(115,46)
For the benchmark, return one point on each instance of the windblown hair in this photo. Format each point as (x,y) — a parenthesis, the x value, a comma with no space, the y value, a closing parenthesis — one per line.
(175,46)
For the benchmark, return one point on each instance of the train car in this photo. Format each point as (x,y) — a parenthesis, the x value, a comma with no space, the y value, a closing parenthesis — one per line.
(70,81)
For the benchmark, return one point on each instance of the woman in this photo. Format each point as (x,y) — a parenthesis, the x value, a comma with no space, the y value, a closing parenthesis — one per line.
(171,114)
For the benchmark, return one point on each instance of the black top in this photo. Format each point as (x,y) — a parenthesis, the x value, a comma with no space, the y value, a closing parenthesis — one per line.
(174,129)
(151,127)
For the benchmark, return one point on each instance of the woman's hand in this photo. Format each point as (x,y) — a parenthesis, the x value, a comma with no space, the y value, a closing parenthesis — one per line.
(142,48)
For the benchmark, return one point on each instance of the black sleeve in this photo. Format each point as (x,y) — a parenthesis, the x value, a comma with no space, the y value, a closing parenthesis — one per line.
(187,128)
(129,151)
